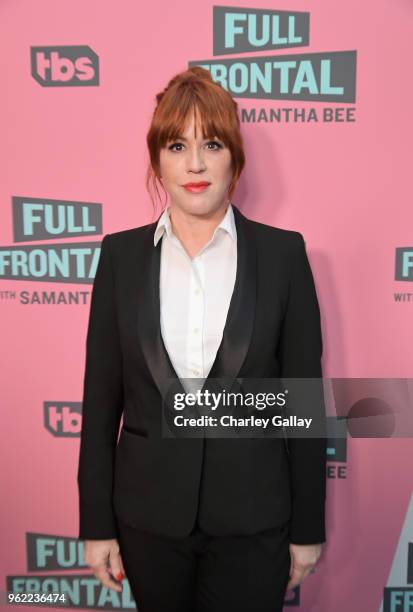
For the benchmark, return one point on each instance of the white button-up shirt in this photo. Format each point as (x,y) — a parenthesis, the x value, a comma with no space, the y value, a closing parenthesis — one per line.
(195,294)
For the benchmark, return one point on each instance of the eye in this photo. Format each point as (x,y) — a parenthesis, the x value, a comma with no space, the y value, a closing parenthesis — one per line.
(175,144)
(218,145)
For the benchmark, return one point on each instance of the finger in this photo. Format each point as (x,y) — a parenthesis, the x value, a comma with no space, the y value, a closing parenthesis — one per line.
(291,571)
(308,571)
(122,566)
(103,575)
(116,566)
(295,578)
(303,575)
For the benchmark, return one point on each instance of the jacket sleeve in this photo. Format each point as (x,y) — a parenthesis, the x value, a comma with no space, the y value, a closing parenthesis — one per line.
(102,406)
(300,353)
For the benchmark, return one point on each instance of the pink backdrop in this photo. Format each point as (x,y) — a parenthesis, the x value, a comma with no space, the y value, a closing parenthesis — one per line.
(345,185)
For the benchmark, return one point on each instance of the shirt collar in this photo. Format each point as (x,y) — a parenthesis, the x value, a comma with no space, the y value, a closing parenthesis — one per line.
(164,225)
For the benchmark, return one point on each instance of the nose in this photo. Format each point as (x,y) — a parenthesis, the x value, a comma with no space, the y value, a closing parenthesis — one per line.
(195,160)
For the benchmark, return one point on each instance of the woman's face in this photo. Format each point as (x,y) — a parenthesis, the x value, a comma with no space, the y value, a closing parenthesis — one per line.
(193,160)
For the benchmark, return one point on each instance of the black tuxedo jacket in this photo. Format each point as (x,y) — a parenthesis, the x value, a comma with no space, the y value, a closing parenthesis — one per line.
(158,484)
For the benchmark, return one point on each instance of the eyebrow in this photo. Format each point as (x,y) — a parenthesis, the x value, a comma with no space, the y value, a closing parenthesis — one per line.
(183,138)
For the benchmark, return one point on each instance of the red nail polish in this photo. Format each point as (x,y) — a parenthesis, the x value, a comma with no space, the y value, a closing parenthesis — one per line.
(119,577)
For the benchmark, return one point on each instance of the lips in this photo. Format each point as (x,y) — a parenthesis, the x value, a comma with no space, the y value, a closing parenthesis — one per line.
(196,187)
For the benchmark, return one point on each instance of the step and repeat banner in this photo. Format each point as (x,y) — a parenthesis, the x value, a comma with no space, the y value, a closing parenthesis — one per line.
(324,94)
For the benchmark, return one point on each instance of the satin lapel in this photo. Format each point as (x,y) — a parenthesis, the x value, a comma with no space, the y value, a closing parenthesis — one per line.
(241,313)
(239,323)
(149,328)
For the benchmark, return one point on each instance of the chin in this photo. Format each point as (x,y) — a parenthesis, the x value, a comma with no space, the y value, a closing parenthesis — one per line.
(198,205)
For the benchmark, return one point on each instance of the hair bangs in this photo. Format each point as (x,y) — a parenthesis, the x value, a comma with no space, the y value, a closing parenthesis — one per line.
(178,113)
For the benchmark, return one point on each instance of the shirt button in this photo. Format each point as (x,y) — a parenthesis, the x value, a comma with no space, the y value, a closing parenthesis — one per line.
(197,291)
(195,372)
(196,330)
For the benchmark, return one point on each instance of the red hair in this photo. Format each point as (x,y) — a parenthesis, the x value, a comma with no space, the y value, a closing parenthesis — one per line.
(194,91)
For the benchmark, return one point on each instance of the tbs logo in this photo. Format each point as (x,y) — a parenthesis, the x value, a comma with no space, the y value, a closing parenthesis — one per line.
(63,419)
(65,66)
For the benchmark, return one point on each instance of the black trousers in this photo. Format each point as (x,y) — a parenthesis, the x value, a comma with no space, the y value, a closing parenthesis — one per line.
(203,573)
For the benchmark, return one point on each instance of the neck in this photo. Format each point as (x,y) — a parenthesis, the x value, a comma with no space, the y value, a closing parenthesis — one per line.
(195,231)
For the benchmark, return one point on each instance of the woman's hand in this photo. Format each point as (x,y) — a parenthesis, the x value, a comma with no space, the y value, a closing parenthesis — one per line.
(102,555)
(303,560)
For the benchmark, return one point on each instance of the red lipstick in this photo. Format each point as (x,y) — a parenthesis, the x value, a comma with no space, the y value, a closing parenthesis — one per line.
(196,187)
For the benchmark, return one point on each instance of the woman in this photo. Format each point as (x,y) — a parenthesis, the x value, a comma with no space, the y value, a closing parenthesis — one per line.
(204,292)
